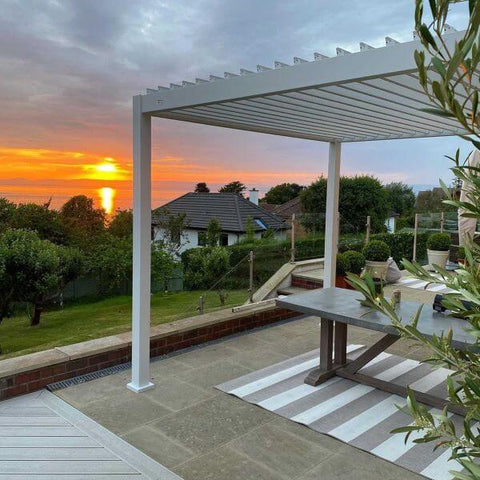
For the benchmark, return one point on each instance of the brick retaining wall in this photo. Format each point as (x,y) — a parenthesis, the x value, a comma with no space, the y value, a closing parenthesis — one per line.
(308,284)
(43,368)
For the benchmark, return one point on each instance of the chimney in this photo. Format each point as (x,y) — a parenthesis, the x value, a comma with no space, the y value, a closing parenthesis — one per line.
(253,196)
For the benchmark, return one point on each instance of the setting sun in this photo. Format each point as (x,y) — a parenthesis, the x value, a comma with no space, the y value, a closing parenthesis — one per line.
(106,167)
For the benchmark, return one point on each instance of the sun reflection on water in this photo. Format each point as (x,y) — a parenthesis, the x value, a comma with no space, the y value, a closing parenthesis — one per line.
(107,196)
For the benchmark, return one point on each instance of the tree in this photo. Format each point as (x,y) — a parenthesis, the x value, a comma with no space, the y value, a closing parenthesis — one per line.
(432,201)
(234,187)
(7,210)
(71,265)
(282,193)
(173,227)
(163,265)
(214,230)
(360,196)
(207,267)
(111,262)
(31,270)
(40,219)
(121,224)
(449,71)
(201,187)
(82,220)
(400,198)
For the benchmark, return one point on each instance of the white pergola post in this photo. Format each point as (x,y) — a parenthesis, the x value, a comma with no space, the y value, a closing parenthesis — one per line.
(332,216)
(141,248)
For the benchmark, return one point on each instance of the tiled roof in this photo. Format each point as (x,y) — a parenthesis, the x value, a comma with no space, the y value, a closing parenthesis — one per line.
(230,209)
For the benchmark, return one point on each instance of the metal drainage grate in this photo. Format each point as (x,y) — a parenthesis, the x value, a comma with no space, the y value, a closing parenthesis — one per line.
(87,377)
(125,366)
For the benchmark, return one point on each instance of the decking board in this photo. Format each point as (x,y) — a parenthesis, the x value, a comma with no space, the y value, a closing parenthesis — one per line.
(41,436)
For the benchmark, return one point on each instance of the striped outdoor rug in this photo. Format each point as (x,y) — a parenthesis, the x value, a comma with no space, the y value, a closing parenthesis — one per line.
(357,414)
(412,282)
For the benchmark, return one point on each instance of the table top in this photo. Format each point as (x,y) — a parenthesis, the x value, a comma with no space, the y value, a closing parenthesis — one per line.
(343,306)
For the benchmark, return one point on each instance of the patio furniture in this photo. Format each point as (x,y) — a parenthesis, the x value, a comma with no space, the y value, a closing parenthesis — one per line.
(338,308)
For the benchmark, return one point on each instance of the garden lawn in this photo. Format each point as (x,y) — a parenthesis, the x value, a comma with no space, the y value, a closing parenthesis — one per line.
(110,316)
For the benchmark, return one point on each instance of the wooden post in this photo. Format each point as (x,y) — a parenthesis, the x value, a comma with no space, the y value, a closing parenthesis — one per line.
(442,222)
(415,233)
(369,226)
(292,247)
(250,289)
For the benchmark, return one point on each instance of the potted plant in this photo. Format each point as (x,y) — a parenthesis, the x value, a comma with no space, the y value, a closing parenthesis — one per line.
(343,266)
(461,255)
(357,263)
(376,254)
(438,249)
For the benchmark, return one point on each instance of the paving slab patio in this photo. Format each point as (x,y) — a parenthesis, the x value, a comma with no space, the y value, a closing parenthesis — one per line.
(201,433)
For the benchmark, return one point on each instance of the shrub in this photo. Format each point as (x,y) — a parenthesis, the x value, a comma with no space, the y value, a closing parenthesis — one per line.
(356,261)
(343,265)
(206,267)
(439,241)
(461,253)
(376,251)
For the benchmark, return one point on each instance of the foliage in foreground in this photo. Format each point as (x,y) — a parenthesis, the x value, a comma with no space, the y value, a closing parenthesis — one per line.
(448,72)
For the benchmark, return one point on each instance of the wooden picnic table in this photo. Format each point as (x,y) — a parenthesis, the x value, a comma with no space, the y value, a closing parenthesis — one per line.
(338,308)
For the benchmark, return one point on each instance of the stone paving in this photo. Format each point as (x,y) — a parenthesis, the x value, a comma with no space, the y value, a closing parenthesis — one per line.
(200,433)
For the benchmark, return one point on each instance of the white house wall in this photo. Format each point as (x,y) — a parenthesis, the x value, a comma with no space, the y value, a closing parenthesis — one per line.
(190,237)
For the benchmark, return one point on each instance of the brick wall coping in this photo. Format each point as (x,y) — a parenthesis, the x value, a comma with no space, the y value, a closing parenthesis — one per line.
(24,363)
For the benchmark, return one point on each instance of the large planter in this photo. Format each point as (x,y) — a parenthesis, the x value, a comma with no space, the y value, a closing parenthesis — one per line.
(376,270)
(437,257)
(341,281)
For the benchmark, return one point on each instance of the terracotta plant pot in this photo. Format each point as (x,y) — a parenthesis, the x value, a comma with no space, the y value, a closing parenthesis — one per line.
(437,257)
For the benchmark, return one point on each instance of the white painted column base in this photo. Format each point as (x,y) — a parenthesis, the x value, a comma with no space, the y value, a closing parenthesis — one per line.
(139,389)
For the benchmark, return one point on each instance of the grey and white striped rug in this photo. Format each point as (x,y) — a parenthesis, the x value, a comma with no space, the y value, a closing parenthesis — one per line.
(357,414)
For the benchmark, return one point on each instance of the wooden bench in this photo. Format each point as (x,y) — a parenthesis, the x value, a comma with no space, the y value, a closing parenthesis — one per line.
(338,308)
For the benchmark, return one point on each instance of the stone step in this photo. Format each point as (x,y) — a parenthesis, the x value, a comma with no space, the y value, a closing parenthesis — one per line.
(291,290)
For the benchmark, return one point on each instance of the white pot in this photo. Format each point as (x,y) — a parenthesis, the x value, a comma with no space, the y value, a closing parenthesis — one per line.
(376,269)
(437,257)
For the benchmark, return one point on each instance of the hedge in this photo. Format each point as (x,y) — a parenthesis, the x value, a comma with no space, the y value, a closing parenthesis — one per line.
(269,257)
(401,245)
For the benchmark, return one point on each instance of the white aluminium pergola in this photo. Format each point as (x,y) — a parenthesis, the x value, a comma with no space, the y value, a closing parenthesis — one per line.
(373,94)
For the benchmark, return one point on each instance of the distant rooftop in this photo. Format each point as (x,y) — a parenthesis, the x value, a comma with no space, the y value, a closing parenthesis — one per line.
(230,209)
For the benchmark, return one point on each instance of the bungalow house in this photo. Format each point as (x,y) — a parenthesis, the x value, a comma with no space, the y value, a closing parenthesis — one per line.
(230,209)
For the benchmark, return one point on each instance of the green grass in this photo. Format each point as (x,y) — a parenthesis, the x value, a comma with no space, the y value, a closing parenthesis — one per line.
(110,316)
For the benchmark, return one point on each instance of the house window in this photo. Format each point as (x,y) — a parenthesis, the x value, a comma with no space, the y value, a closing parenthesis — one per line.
(260,223)
(224,239)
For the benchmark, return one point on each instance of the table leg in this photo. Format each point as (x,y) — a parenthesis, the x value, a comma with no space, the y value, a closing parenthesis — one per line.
(326,369)
(326,344)
(340,350)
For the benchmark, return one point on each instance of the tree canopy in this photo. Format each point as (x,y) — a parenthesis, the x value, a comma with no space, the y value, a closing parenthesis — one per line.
(121,224)
(201,187)
(282,193)
(400,198)
(234,187)
(360,196)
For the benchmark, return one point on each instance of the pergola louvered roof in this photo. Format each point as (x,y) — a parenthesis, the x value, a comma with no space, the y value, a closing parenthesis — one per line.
(373,94)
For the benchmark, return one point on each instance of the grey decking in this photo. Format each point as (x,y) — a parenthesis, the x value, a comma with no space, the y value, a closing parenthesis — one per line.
(41,436)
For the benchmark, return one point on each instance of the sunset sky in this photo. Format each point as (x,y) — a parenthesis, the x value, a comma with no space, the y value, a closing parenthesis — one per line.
(70,68)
